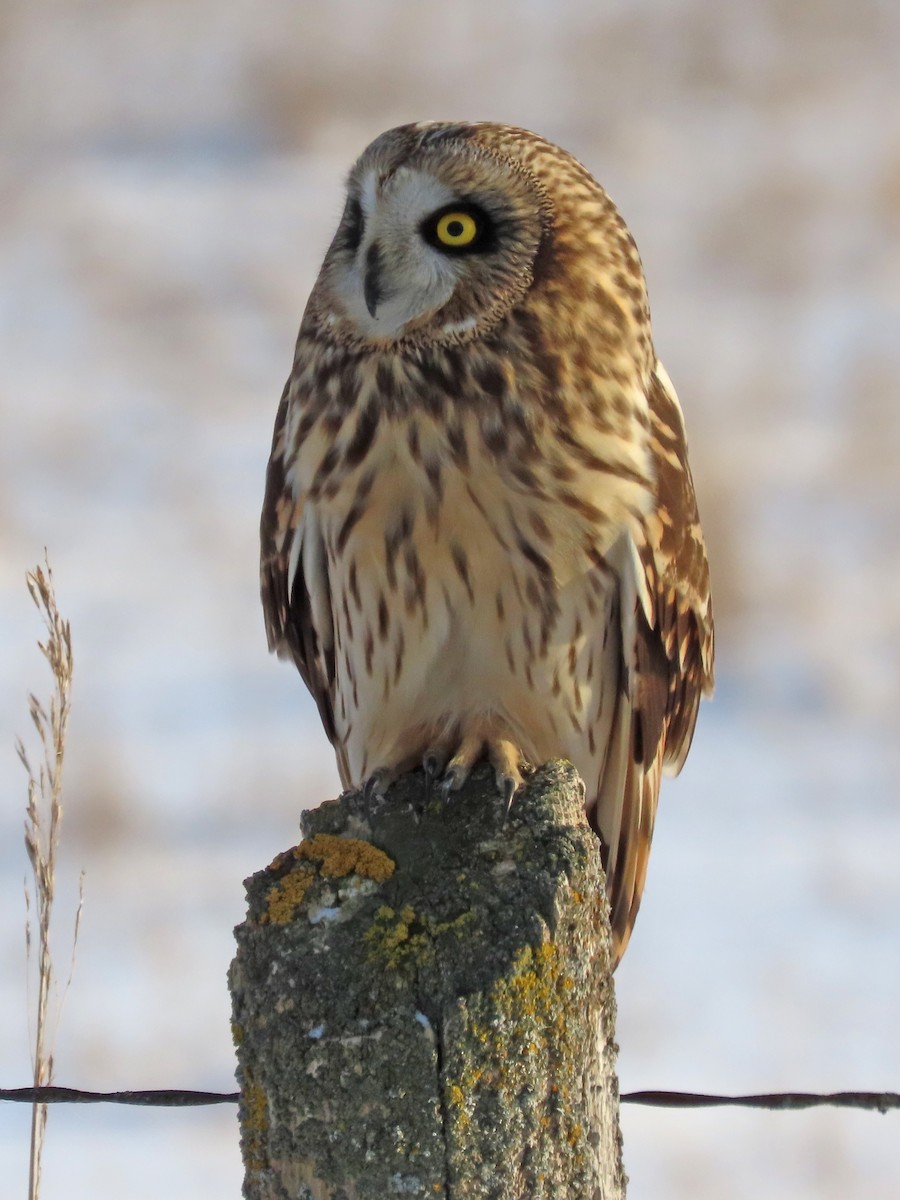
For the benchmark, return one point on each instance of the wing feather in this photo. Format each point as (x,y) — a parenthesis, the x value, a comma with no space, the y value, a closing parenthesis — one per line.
(294,583)
(665,665)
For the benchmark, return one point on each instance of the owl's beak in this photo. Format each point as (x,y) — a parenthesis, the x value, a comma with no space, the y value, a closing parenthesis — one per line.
(372,287)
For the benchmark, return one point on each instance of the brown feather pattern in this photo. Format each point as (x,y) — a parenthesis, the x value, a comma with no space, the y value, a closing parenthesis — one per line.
(479,534)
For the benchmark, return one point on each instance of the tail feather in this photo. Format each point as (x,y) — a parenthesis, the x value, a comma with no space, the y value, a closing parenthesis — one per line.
(623,815)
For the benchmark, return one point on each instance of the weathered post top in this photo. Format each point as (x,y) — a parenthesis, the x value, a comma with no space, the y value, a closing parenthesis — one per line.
(423,1004)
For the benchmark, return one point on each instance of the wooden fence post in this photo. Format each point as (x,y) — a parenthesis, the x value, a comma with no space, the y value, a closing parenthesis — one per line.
(423,1005)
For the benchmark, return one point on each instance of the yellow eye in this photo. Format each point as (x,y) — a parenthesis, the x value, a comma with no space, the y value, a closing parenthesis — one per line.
(456,229)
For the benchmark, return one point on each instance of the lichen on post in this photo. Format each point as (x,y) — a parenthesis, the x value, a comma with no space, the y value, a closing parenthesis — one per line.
(423,1004)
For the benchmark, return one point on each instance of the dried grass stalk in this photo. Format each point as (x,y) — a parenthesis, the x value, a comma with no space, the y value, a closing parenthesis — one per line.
(43,821)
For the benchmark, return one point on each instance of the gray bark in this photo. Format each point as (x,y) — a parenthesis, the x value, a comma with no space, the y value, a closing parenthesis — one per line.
(423,1005)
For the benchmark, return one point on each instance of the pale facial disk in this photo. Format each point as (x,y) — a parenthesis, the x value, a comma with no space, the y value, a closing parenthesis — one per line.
(414,277)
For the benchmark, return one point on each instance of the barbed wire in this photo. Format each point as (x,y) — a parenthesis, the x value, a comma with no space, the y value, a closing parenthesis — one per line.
(870,1101)
(151,1098)
(881,1102)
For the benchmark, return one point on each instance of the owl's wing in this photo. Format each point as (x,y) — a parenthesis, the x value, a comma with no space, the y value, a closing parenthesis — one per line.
(666,664)
(678,578)
(294,584)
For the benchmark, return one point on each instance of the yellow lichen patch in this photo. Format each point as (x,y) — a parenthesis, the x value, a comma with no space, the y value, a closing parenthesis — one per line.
(400,939)
(525,1027)
(337,856)
(395,937)
(254,1125)
(237,1033)
(533,1002)
(285,896)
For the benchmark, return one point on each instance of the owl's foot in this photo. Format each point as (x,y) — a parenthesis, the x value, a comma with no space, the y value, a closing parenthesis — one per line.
(375,789)
(476,744)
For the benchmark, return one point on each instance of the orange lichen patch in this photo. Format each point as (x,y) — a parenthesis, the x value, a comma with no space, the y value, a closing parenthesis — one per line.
(337,856)
(286,896)
(324,856)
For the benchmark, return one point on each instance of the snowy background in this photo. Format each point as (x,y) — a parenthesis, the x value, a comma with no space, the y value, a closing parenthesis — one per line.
(170,175)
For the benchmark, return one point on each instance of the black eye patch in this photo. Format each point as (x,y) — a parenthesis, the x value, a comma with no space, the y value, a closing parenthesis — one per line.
(352,225)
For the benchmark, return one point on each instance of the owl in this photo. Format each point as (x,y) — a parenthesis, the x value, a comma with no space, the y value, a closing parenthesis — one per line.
(479,536)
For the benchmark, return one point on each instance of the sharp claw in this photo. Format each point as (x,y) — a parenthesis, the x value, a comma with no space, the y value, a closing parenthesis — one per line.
(449,784)
(368,795)
(431,765)
(508,789)
(373,793)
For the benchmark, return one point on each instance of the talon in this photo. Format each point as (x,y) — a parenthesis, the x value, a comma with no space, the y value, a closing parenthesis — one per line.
(482,738)
(432,765)
(355,800)
(448,784)
(462,762)
(508,788)
(373,791)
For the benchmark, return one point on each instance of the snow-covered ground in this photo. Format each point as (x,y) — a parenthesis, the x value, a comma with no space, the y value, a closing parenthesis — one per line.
(170,176)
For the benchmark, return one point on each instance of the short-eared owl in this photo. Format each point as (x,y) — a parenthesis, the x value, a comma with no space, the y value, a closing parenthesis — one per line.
(479,536)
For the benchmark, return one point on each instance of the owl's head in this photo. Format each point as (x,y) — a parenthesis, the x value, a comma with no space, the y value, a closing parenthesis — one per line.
(438,238)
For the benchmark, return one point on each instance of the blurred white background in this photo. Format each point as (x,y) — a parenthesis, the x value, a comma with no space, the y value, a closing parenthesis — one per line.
(170,176)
